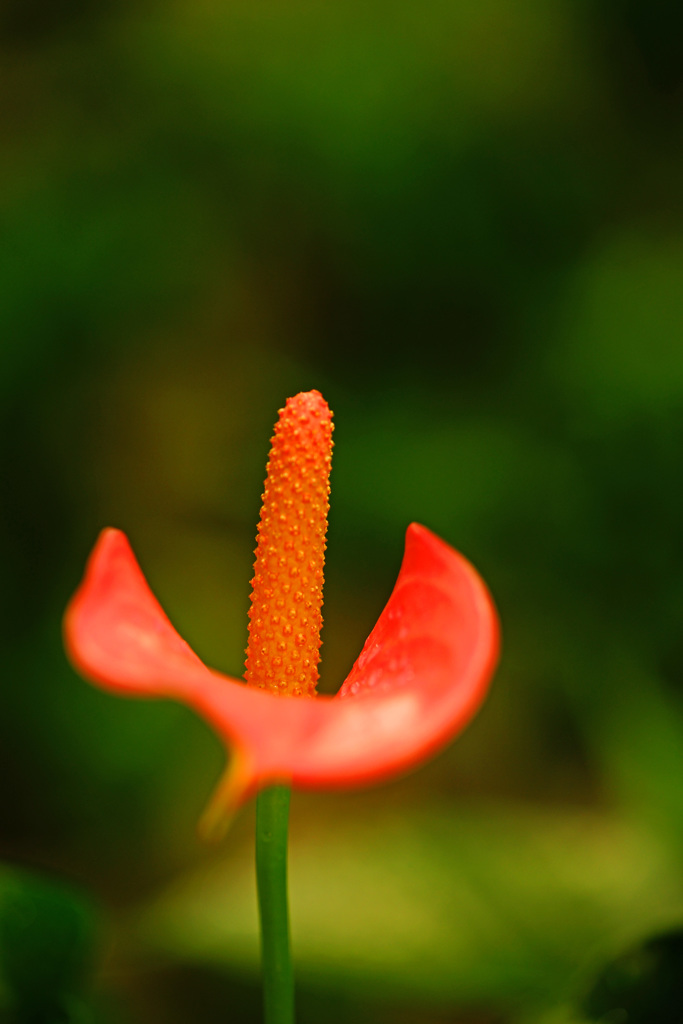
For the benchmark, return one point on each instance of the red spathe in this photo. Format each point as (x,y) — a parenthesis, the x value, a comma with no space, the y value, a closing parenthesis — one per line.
(420,677)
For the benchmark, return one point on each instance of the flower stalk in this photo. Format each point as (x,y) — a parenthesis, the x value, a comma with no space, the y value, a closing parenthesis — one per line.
(272,816)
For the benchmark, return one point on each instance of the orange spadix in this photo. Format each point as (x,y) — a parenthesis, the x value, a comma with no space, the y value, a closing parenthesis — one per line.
(287,596)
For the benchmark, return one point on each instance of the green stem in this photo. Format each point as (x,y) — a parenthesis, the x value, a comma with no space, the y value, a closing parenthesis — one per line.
(272,815)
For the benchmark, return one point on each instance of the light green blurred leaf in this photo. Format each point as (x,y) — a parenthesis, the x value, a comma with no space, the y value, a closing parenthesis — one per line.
(486,905)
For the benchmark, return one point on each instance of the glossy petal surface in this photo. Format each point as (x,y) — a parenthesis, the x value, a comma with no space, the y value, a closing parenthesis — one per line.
(422,674)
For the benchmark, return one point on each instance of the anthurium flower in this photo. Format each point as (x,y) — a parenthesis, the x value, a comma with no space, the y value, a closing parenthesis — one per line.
(420,677)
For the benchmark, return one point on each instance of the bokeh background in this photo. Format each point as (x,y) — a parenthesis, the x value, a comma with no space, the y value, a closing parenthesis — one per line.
(462,221)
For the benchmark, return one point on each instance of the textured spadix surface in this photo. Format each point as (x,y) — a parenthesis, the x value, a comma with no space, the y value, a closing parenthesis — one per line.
(285,616)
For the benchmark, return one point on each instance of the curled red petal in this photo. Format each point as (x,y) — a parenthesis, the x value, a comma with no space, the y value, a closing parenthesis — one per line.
(422,674)
(117,634)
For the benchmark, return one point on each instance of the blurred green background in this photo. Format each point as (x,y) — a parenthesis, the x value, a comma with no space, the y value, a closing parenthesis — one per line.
(462,222)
